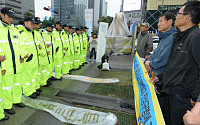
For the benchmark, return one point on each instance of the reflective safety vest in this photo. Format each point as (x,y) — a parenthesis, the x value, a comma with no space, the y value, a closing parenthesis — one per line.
(59,47)
(10,41)
(65,38)
(49,39)
(31,46)
(85,41)
(77,45)
(20,28)
(43,58)
(71,41)
(81,41)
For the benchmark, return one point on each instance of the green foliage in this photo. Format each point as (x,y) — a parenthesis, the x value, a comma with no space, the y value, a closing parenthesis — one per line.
(46,21)
(26,14)
(107,19)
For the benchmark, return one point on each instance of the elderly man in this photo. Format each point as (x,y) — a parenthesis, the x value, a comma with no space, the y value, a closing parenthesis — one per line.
(144,41)
(180,79)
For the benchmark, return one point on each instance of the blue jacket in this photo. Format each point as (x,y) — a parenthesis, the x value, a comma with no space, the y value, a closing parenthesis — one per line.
(158,59)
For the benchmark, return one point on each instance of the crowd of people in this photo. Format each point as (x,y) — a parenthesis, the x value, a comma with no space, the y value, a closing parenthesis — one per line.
(30,54)
(176,65)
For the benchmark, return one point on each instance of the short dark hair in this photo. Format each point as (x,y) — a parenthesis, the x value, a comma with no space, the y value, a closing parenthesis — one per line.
(169,16)
(193,8)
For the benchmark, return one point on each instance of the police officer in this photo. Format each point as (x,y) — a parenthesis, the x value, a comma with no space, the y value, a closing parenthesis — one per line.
(59,48)
(43,57)
(71,41)
(49,40)
(31,64)
(11,43)
(85,44)
(67,52)
(77,49)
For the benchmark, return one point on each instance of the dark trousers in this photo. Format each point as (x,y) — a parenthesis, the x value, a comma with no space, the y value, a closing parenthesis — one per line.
(93,52)
(175,106)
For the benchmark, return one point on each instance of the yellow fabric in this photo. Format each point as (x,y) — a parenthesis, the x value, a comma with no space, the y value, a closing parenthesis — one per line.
(144,89)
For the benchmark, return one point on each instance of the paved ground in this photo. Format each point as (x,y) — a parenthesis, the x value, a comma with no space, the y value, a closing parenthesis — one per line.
(65,90)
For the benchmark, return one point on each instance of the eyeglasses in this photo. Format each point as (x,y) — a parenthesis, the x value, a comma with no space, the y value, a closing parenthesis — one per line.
(181,13)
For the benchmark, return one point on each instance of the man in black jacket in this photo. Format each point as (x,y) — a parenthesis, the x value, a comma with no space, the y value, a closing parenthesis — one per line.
(181,78)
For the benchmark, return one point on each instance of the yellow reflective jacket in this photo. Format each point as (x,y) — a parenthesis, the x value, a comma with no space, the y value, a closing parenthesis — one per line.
(65,38)
(85,41)
(10,42)
(59,47)
(31,46)
(49,39)
(43,58)
(77,46)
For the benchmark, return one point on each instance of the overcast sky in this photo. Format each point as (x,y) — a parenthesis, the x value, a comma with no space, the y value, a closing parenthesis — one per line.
(113,7)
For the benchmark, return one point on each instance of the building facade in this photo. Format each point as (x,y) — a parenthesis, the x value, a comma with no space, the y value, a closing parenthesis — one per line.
(154,8)
(99,10)
(70,11)
(20,7)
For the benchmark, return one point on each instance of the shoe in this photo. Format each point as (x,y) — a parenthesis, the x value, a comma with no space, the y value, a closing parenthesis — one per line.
(10,111)
(37,93)
(6,117)
(39,90)
(52,78)
(86,62)
(49,82)
(21,105)
(33,96)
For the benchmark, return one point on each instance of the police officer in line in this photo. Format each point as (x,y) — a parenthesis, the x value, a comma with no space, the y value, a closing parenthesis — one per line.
(59,49)
(14,55)
(43,57)
(49,40)
(30,66)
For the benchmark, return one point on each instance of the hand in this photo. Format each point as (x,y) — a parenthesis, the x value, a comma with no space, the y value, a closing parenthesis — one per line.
(48,45)
(3,72)
(196,109)
(21,60)
(64,48)
(189,118)
(26,56)
(48,53)
(154,80)
(146,57)
(192,102)
(148,67)
(40,47)
(2,58)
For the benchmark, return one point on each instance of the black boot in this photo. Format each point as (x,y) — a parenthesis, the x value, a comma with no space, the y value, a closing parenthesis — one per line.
(6,117)
(36,93)
(33,96)
(21,105)
(10,111)
(39,90)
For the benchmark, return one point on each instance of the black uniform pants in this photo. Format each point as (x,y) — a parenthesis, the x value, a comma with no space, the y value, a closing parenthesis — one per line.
(175,107)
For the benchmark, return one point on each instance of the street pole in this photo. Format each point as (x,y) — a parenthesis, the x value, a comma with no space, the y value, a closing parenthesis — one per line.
(162,7)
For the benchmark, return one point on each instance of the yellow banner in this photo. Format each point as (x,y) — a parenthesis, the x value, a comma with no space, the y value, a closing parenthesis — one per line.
(147,108)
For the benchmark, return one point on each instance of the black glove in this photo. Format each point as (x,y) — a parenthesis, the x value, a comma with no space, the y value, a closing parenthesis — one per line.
(29,58)
(66,49)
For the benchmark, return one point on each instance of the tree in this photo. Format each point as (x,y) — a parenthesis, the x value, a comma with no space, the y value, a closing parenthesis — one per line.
(107,19)
(43,25)
(26,14)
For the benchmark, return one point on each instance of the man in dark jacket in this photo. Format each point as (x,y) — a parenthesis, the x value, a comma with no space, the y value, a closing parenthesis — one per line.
(180,80)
